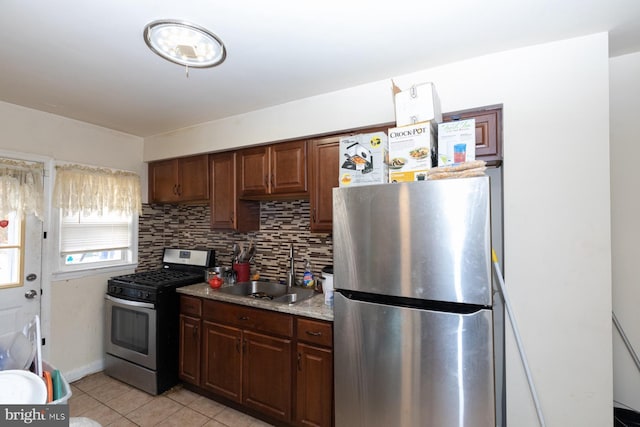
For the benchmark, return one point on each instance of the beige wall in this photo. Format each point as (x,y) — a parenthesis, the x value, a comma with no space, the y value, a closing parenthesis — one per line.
(556,202)
(72,310)
(625,228)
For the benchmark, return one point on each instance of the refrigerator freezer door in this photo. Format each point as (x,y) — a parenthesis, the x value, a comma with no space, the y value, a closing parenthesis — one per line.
(426,240)
(398,366)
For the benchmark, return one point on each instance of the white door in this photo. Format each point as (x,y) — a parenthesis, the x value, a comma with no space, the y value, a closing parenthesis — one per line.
(20,268)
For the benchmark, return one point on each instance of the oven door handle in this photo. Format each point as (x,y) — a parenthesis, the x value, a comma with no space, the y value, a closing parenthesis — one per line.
(130,303)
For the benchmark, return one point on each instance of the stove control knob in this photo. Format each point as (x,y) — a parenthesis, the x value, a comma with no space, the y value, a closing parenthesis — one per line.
(146,294)
(139,294)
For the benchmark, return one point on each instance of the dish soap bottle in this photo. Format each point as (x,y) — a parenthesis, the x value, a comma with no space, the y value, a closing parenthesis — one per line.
(307,277)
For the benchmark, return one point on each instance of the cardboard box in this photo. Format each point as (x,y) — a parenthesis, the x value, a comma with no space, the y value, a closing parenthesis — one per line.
(456,142)
(364,159)
(412,151)
(416,104)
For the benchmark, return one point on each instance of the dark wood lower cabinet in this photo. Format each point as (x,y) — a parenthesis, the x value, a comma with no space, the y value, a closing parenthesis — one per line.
(270,364)
(314,386)
(189,367)
(266,382)
(222,360)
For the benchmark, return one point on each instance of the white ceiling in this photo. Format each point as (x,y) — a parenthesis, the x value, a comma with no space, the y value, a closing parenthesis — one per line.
(87,59)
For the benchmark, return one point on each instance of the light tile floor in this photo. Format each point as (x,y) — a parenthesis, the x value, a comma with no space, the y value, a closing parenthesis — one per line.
(113,403)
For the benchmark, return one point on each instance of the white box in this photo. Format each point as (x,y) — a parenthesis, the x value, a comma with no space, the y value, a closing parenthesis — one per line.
(412,151)
(416,104)
(363,159)
(456,142)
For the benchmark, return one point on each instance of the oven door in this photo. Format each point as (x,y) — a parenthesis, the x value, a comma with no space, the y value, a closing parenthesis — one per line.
(131,331)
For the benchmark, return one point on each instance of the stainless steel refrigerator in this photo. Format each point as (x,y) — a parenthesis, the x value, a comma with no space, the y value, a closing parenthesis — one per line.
(414,324)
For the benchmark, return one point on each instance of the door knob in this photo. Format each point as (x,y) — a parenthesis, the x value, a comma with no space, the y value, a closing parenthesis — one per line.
(30,294)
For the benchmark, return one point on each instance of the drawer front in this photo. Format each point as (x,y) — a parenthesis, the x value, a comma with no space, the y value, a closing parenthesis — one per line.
(315,332)
(190,305)
(249,318)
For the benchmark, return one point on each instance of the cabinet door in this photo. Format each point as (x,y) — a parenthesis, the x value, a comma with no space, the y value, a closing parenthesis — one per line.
(189,367)
(253,174)
(223,190)
(314,386)
(193,183)
(222,360)
(163,181)
(267,375)
(324,165)
(288,168)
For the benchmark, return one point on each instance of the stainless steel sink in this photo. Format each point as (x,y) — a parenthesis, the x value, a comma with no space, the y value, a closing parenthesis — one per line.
(269,291)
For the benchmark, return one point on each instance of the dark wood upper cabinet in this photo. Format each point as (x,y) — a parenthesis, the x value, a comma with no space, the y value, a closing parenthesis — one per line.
(488,131)
(273,171)
(181,180)
(324,167)
(228,212)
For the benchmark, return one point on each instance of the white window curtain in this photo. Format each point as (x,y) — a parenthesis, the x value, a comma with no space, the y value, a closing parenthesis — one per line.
(21,188)
(87,190)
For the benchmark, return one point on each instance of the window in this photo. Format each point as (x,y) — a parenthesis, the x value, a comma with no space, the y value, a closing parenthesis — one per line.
(89,241)
(98,212)
(11,250)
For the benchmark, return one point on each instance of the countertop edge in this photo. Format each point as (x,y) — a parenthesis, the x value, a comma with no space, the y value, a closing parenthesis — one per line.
(314,307)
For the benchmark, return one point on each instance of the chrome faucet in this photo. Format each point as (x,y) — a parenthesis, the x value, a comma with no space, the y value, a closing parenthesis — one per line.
(291,274)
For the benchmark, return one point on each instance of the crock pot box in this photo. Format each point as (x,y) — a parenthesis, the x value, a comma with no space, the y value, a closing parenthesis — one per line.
(456,142)
(363,159)
(416,104)
(412,151)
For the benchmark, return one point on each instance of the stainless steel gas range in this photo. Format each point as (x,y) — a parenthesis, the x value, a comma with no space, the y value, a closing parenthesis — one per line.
(142,316)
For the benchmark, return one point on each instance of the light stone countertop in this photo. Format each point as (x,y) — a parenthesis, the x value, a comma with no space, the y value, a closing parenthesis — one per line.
(314,307)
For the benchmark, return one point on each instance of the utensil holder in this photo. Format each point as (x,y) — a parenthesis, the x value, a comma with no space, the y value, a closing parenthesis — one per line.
(242,270)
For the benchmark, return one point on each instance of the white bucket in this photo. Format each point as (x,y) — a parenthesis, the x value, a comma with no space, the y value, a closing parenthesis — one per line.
(327,285)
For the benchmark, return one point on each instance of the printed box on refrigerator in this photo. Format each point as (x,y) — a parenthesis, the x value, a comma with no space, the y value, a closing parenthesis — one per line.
(416,104)
(456,142)
(364,159)
(412,151)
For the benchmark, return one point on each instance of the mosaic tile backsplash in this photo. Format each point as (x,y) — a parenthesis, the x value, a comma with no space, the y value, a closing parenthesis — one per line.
(281,223)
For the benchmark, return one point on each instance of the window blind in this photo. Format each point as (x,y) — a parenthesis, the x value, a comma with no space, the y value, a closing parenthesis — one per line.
(92,234)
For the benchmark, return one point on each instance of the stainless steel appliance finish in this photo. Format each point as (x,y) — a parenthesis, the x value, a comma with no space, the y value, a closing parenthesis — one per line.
(428,240)
(413,313)
(132,331)
(142,312)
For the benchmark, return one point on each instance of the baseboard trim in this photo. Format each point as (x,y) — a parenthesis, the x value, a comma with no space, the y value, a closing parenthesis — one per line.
(91,368)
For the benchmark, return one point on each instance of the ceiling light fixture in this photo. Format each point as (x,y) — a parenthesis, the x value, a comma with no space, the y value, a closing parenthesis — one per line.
(184,43)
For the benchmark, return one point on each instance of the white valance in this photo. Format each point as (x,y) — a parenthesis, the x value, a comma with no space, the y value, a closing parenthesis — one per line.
(21,188)
(96,191)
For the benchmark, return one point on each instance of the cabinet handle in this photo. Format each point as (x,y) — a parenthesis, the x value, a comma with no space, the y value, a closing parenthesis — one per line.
(299,362)
(238,345)
(175,189)
(231,216)
(314,334)
(266,180)
(313,214)
(178,189)
(243,318)
(272,181)
(195,331)
(244,347)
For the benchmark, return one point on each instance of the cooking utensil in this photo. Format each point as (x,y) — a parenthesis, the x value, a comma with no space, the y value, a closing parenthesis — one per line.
(235,250)
(251,252)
